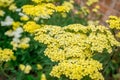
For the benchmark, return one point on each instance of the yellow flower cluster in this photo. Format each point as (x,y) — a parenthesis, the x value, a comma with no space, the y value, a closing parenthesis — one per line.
(114,22)
(13,7)
(40,1)
(31,26)
(75,43)
(2,12)
(5,3)
(45,10)
(6,55)
(75,40)
(8,3)
(78,69)
(101,38)
(26,69)
(15,25)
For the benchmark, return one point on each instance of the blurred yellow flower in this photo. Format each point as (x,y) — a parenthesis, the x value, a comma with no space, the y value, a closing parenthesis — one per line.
(118,35)
(13,7)
(96,8)
(2,13)
(15,25)
(24,18)
(23,45)
(39,67)
(5,3)
(26,69)
(43,77)
(90,2)
(22,67)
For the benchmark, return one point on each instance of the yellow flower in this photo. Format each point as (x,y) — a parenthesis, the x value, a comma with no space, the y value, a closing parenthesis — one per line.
(23,45)
(39,67)
(14,44)
(43,77)
(64,15)
(37,1)
(13,57)
(78,68)
(90,2)
(25,40)
(73,47)
(85,10)
(68,5)
(61,9)
(22,67)
(24,18)
(118,35)
(114,22)
(12,7)
(2,13)
(96,8)
(15,25)
(27,69)
(45,8)
(5,3)
(31,26)
(6,55)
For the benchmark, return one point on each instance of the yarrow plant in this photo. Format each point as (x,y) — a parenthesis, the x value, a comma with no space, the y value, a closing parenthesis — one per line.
(6,55)
(46,40)
(44,9)
(72,44)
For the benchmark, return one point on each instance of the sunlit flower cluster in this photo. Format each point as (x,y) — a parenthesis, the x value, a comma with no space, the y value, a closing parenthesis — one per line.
(6,55)
(78,69)
(45,10)
(75,42)
(114,24)
(5,3)
(31,26)
(25,68)
(8,3)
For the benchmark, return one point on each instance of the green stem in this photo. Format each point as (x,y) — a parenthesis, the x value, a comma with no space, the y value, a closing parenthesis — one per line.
(3,72)
(111,57)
